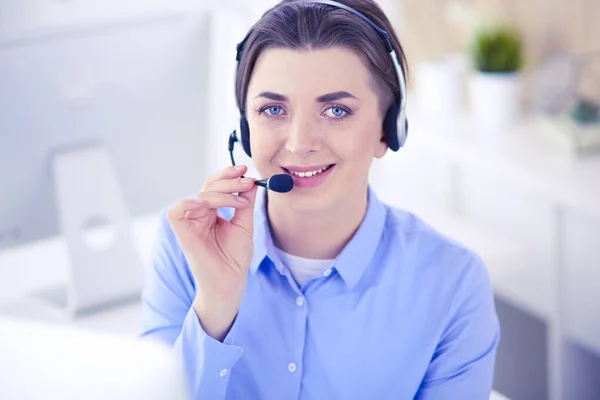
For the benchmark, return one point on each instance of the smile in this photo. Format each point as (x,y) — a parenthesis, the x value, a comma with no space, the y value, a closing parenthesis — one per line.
(308,174)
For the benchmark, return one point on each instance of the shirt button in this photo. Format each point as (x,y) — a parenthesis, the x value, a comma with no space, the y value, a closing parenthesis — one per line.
(299,301)
(292,367)
(327,272)
(223,372)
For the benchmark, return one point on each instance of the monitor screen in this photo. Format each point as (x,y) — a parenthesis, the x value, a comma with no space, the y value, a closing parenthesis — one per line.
(139,89)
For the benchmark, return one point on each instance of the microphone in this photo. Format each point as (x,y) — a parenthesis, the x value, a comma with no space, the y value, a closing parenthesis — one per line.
(280,183)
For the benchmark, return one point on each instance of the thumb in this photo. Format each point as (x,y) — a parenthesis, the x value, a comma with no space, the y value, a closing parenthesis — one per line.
(244,217)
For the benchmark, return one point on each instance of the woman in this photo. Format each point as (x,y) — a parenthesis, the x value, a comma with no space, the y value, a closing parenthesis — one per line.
(323,292)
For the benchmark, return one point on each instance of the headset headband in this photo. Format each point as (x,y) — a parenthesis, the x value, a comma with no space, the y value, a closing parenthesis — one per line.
(381,32)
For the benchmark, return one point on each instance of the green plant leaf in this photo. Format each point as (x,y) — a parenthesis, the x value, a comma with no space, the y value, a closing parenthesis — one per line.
(497,49)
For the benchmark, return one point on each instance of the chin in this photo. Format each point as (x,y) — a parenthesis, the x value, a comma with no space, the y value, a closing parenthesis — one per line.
(310,201)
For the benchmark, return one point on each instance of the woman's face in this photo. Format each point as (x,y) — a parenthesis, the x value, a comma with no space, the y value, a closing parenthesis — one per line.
(314,115)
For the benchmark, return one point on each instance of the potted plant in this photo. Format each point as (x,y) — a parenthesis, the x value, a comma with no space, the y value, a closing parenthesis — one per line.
(494,87)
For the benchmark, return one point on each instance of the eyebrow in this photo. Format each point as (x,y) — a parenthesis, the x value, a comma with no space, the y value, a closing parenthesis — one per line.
(321,99)
(272,96)
(334,96)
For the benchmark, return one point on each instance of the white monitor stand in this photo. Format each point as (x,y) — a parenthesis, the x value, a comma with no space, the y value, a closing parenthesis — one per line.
(104,267)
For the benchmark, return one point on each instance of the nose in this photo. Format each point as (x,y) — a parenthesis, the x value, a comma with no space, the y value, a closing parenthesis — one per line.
(303,137)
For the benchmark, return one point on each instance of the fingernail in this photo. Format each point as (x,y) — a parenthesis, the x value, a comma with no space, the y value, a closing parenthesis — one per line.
(246,180)
(239,167)
(242,199)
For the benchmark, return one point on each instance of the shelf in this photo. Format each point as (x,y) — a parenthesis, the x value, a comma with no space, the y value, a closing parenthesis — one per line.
(519,155)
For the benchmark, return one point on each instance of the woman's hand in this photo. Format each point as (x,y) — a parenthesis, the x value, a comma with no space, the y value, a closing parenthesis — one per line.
(218,251)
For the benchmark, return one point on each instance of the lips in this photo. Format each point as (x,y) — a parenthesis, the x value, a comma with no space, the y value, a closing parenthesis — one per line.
(304,168)
(309,176)
(307,172)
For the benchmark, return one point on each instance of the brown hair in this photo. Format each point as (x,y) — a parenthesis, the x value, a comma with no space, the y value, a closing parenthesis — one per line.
(299,25)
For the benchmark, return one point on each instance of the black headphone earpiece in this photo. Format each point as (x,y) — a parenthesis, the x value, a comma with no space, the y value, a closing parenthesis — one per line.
(245,134)
(395,127)
(390,127)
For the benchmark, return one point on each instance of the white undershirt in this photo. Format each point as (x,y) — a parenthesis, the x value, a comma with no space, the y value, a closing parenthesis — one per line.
(302,268)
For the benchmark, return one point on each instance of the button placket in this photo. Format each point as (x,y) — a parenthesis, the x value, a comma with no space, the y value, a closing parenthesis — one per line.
(301,314)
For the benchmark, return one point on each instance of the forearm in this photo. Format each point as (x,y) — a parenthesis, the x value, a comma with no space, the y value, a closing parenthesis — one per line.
(206,361)
(215,319)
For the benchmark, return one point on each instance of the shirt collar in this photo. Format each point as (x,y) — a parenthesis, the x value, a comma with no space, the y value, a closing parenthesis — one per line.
(354,258)
(263,241)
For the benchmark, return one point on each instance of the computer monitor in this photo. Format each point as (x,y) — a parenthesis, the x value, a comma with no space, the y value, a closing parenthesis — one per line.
(141,87)
(43,361)
(152,92)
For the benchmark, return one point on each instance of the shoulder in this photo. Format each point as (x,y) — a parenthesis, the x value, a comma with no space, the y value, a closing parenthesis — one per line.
(451,266)
(449,279)
(415,234)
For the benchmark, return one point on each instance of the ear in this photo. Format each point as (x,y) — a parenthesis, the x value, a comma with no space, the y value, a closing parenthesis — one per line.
(381,147)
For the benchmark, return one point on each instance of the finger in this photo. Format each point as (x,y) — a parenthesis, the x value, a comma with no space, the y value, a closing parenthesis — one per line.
(214,200)
(235,185)
(180,209)
(244,217)
(227,173)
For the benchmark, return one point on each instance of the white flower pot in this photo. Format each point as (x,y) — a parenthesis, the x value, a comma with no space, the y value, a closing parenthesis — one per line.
(495,99)
(439,87)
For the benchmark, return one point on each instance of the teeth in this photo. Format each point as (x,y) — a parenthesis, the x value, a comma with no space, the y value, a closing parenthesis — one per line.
(309,173)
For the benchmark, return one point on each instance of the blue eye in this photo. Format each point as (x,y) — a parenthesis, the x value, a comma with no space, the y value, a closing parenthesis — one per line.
(336,112)
(271,111)
(274,110)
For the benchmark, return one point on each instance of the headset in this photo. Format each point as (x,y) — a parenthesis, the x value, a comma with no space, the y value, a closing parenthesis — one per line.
(395,124)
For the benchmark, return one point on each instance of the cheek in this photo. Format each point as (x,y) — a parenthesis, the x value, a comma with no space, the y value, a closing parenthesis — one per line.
(263,143)
(358,145)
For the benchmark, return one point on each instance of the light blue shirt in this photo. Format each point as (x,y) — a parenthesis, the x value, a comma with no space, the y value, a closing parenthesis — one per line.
(404,313)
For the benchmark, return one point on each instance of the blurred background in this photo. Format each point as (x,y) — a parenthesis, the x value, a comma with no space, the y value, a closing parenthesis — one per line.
(110,111)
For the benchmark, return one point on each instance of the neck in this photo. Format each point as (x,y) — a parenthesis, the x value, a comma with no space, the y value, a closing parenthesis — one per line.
(318,235)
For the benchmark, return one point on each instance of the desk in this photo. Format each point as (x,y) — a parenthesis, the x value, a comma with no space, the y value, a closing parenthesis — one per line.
(35,266)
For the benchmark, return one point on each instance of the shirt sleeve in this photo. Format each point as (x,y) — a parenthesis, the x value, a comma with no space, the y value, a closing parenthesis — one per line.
(462,366)
(168,316)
